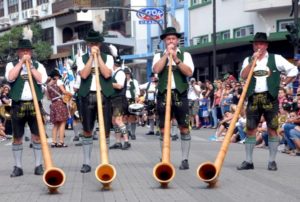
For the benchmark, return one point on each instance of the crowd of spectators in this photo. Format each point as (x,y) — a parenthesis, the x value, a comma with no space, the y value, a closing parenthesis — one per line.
(218,101)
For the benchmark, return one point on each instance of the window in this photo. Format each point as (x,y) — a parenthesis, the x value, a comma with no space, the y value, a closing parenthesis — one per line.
(282,25)
(226,35)
(195,2)
(26,4)
(13,6)
(222,35)
(196,40)
(199,2)
(204,39)
(82,30)
(1,8)
(48,35)
(181,40)
(243,31)
(39,2)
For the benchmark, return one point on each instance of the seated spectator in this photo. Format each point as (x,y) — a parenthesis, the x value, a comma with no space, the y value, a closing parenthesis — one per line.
(224,125)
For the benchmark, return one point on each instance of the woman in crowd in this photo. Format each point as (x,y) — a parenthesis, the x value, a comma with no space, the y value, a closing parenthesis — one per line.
(58,109)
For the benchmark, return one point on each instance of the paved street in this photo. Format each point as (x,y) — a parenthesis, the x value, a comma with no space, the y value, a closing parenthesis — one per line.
(134,181)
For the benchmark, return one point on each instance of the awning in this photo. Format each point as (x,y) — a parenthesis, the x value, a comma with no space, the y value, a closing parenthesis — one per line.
(60,55)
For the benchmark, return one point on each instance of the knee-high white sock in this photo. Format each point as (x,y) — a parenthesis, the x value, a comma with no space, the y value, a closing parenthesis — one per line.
(249,147)
(273,144)
(185,145)
(87,145)
(17,150)
(37,150)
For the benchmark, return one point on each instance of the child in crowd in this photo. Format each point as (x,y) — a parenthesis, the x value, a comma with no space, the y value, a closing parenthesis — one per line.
(204,114)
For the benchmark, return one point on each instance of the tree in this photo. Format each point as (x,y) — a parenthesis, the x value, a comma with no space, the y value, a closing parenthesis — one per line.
(9,42)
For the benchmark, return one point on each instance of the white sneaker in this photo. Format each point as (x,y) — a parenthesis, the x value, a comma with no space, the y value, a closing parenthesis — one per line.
(242,141)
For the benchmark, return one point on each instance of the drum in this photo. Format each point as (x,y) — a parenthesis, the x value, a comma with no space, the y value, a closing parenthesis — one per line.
(136,108)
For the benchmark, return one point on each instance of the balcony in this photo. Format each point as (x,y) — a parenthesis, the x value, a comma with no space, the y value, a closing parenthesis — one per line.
(256,5)
(66,4)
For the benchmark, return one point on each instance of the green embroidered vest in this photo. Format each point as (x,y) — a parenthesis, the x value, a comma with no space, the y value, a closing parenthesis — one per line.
(273,80)
(18,85)
(180,79)
(85,84)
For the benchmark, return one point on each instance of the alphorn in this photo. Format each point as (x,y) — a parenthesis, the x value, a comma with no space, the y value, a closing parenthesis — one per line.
(53,177)
(105,172)
(164,171)
(209,172)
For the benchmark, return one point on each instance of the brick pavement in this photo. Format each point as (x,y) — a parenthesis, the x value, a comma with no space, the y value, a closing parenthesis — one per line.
(134,181)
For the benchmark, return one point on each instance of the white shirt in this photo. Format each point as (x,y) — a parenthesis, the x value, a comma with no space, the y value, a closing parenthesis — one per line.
(80,65)
(192,95)
(187,59)
(120,76)
(136,86)
(77,82)
(151,90)
(282,65)
(26,94)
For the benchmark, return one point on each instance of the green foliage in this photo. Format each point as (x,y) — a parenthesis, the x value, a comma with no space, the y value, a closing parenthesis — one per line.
(9,42)
(43,50)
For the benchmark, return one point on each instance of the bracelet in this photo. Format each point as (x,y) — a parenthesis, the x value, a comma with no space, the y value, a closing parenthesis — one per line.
(177,63)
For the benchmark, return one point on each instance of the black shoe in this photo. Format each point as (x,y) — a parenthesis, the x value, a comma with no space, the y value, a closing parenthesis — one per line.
(157,133)
(39,170)
(116,146)
(133,137)
(184,165)
(30,145)
(95,138)
(245,166)
(150,133)
(85,168)
(16,172)
(175,137)
(27,139)
(76,138)
(78,144)
(272,166)
(126,146)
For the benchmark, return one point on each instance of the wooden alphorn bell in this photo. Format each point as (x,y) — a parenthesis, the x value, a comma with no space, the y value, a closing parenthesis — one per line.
(53,177)
(209,172)
(105,172)
(164,171)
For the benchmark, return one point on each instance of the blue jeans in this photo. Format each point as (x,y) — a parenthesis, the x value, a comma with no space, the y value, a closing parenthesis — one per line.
(214,116)
(287,134)
(294,134)
(242,133)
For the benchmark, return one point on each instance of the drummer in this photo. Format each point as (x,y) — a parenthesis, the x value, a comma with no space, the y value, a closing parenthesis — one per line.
(118,99)
(132,95)
(150,89)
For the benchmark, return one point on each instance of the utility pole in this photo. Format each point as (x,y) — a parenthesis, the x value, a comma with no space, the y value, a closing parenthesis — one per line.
(293,29)
(295,3)
(214,40)
(165,16)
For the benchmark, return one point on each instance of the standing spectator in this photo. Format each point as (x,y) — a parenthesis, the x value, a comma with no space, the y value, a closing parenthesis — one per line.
(6,101)
(193,97)
(216,108)
(58,109)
